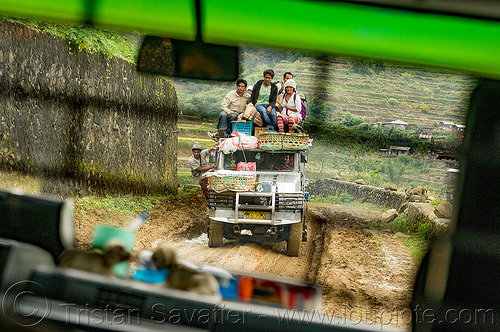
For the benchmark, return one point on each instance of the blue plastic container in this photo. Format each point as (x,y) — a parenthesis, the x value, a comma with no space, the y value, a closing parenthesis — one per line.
(244,127)
(230,290)
(151,276)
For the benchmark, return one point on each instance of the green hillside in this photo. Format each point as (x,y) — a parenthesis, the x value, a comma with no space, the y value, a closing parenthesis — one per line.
(372,91)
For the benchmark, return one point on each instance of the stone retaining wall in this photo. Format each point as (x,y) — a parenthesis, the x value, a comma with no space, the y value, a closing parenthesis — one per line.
(362,193)
(417,213)
(83,121)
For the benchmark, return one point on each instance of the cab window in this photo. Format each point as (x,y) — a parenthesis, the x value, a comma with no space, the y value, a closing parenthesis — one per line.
(264,161)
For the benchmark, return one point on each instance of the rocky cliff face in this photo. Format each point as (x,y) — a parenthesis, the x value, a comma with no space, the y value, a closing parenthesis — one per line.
(83,120)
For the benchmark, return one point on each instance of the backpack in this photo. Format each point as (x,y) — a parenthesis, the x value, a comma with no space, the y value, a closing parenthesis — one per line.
(303,110)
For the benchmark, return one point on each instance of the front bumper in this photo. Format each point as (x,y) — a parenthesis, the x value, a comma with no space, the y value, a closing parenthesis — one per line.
(256,207)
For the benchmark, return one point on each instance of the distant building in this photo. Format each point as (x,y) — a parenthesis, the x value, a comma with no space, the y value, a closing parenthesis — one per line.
(397,150)
(394,124)
(446,125)
(450,126)
(426,133)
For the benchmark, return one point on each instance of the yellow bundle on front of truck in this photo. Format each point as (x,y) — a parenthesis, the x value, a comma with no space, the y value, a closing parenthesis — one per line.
(220,181)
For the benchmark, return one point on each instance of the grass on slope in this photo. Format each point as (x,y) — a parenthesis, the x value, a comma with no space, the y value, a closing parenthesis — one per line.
(124,45)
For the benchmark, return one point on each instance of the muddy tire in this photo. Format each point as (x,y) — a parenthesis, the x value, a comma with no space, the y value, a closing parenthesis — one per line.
(294,239)
(215,234)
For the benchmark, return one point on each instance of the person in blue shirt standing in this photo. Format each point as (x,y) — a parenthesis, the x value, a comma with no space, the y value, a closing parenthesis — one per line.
(264,99)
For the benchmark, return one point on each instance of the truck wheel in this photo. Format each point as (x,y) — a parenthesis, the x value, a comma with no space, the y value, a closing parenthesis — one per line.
(215,234)
(294,239)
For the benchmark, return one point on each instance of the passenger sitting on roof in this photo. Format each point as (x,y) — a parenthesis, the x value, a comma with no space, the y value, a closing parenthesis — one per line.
(281,88)
(234,103)
(264,98)
(291,107)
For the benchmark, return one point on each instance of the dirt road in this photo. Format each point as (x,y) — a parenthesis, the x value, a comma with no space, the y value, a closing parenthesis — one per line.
(366,275)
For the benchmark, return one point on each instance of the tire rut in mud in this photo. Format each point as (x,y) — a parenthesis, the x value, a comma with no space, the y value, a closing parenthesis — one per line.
(358,268)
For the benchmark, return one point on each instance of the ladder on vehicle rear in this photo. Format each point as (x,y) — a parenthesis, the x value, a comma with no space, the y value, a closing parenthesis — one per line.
(254,207)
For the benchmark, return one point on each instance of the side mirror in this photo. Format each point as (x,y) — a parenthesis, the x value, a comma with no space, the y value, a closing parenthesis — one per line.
(303,157)
(213,157)
(187,59)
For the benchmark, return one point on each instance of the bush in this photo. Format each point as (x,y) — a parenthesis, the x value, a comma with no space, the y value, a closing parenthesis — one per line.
(185,178)
(347,119)
(438,198)
(399,224)
(393,101)
(393,171)
(345,198)
(97,40)
(128,205)
(424,230)
(405,159)
(373,178)
(424,109)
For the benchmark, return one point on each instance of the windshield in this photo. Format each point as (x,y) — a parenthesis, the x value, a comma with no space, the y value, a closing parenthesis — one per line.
(79,123)
(264,161)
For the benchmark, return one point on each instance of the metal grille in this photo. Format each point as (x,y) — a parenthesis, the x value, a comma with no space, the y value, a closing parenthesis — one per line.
(284,202)
(289,202)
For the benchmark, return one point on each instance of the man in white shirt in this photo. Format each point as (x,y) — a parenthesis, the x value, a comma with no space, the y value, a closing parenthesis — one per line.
(233,104)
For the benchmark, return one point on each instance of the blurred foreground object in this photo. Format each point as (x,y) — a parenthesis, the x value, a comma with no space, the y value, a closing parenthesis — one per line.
(186,59)
(44,221)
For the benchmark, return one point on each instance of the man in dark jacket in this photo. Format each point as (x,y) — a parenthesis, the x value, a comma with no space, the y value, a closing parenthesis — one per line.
(264,99)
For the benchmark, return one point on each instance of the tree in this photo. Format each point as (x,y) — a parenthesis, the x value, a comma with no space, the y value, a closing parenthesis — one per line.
(423,148)
(379,138)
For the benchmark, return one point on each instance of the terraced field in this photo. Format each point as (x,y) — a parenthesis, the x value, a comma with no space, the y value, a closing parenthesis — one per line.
(375,92)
